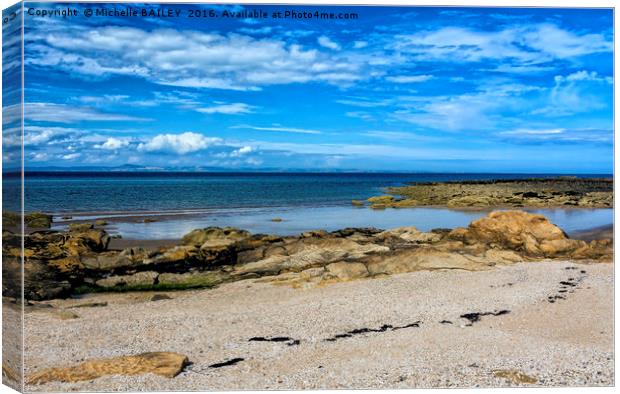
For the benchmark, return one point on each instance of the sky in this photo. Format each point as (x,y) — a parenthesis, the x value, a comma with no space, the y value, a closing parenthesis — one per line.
(396,89)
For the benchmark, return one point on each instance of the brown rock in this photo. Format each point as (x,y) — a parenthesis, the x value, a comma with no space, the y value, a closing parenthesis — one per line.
(514,230)
(345,271)
(144,278)
(200,236)
(165,364)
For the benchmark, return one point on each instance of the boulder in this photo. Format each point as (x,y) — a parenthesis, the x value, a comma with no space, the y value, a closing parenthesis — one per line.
(108,261)
(216,235)
(83,242)
(514,230)
(174,255)
(144,278)
(38,220)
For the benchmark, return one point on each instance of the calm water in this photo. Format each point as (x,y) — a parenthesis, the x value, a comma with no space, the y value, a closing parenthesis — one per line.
(303,201)
(300,219)
(105,192)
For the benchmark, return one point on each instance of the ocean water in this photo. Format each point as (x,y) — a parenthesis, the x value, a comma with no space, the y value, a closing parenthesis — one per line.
(181,202)
(71,192)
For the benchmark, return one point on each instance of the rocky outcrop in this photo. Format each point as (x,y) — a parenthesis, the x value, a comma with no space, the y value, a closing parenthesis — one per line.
(57,264)
(32,220)
(165,364)
(547,192)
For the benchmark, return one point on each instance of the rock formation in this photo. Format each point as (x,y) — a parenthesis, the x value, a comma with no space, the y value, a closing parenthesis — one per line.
(547,192)
(59,263)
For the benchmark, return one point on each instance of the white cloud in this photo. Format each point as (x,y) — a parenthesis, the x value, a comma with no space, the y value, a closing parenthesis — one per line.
(244,150)
(189,58)
(359,114)
(360,44)
(228,109)
(583,75)
(71,156)
(562,44)
(577,92)
(409,78)
(326,42)
(558,135)
(113,144)
(178,143)
(533,132)
(279,129)
(527,45)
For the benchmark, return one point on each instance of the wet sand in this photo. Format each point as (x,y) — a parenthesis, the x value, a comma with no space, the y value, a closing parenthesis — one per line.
(403,331)
(594,233)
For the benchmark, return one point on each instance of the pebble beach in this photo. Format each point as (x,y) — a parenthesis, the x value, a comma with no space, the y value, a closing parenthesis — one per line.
(399,331)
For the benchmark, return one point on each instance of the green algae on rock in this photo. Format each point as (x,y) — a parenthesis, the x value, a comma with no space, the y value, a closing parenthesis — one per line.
(534,192)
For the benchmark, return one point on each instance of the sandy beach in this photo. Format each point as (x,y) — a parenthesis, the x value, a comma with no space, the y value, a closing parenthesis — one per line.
(562,343)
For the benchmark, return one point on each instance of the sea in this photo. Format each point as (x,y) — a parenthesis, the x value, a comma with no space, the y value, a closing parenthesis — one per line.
(178,202)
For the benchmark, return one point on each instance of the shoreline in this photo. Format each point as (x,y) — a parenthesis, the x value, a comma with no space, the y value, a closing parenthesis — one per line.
(291,221)
(83,259)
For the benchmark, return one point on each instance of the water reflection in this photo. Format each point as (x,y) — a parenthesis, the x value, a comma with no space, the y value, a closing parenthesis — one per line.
(297,220)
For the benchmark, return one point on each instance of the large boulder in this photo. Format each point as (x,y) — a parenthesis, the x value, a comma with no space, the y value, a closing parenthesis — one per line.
(528,234)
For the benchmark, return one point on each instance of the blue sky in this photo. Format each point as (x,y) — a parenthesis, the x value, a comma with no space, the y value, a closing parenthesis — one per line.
(398,89)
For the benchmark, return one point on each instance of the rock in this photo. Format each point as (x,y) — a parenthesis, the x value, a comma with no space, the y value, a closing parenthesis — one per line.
(108,261)
(165,364)
(502,256)
(41,281)
(471,201)
(515,377)
(93,304)
(149,220)
(357,203)
(101,223)
(38,220)
(405,203)
(356,232)
(516,230)
(80,227)
(177,254)
(144,278)
(57,263)
(411,234)
(315,234)
(424,259)
(345,271)
(160,297)
(381,200)
(192,279)
(214,234)
(547,192)
(276,219)
(10,219)
(84,242)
